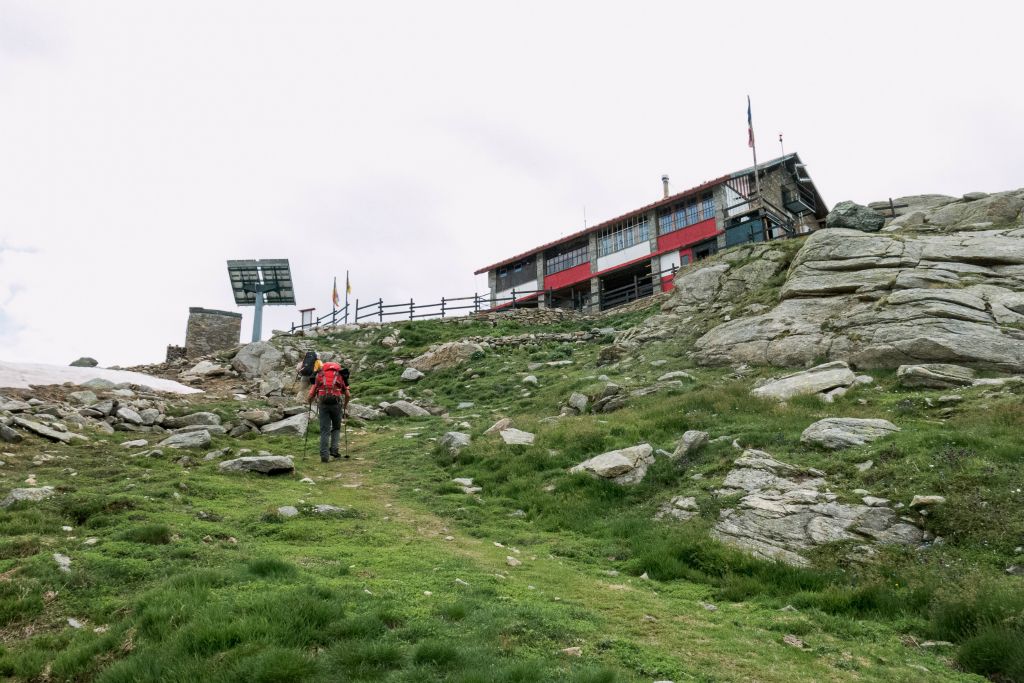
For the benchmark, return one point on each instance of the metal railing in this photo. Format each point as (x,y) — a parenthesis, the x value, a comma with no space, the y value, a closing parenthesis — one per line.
(378,311)
(332,318)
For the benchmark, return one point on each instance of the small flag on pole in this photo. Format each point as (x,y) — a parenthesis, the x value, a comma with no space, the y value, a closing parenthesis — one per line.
(334,294)
(348,285)
(750,125)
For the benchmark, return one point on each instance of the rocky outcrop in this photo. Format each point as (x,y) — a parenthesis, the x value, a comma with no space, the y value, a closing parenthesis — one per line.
(835,433)
(445,356)
(783,511)
(820,379)
(34,495)
(942,283)
(934,376)
(624,466)
(855,217)
(257,359)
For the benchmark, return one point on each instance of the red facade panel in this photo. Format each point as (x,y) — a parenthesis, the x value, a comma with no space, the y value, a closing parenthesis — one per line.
(706,229)
(567,277)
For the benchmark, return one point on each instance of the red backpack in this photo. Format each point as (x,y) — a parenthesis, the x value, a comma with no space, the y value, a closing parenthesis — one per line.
(331,383)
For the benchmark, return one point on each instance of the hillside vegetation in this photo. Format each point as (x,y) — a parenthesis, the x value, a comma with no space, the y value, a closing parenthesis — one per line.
(181,572)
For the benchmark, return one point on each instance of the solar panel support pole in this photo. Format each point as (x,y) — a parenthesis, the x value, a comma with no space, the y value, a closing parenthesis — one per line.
(257,320)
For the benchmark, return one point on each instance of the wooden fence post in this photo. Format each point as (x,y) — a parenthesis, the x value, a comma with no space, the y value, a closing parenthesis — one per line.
(412,309)
(380,309)
(442,306)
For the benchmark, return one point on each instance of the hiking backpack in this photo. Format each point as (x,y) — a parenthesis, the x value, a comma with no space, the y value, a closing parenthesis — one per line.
(332,382)
(308,363)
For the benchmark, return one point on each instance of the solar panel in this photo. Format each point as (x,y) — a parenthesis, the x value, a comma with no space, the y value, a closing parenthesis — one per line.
(271,276)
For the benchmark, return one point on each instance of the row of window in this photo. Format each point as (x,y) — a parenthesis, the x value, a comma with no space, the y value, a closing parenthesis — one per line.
(623,235)
(686,213)
(517,273)
(566,260)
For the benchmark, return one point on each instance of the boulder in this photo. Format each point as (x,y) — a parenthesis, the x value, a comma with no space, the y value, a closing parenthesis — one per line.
(578,402)
(405,409)
(835,433)
(934,376)
(926,501)
(624,466)
(196,439)
(362,412)
(689,443)
(499,426)
(784,511)
(84,362)
(818,379)
(516,437)
(257,359)
(98,384)
(126,414)
(256,416)
(445,356)
(33,494)
(263,464)
(288,511)
(855,217)
(454,441)
(296,424)
(42,430)
(83,398)
(201,418)
(206,368)
(8,435)
(412,375)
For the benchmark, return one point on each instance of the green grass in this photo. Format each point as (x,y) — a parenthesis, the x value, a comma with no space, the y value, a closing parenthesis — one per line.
(379,594)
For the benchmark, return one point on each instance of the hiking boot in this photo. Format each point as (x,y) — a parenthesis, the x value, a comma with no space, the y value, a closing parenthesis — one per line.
(335,455)
(324,458)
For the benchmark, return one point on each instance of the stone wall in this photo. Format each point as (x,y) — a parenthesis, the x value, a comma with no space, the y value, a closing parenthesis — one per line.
(209,330)
(175,353)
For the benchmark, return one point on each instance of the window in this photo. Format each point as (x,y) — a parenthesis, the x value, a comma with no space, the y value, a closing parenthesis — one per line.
(570,257)
(515,274)
(623,235)
(707,204)
(685,213)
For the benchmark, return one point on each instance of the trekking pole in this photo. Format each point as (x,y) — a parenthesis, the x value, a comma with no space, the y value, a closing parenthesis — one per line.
(305,440)
(344,425)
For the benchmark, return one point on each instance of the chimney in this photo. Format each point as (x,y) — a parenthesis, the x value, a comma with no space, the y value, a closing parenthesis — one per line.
(664,184)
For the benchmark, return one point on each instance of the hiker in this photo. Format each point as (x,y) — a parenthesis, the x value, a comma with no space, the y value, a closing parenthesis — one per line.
(307,369)
(331,390)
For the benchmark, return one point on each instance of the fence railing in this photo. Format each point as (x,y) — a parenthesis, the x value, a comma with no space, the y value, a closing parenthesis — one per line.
(642,286)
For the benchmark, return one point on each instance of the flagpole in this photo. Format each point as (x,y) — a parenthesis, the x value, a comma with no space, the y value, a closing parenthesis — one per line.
(346,297)
(753,146)
(334,302)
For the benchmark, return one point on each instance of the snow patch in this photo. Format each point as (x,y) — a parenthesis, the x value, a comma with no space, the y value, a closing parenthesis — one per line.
(21,375)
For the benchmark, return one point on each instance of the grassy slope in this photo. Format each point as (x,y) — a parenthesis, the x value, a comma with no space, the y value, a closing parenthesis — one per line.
(248,596)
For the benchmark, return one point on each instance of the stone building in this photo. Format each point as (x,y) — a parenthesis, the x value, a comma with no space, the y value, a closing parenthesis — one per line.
(636,254)
(209,330)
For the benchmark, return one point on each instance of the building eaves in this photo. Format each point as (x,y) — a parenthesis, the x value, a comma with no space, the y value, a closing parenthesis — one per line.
(586,231)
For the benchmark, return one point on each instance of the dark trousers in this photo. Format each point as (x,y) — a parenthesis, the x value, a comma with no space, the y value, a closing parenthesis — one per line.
(330,428)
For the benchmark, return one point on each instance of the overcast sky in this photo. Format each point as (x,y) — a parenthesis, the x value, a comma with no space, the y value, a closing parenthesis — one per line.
(144,143)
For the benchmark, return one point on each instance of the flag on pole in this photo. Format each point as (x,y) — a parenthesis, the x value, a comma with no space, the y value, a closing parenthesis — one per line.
(348,285)
(750,125)
(334,294)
